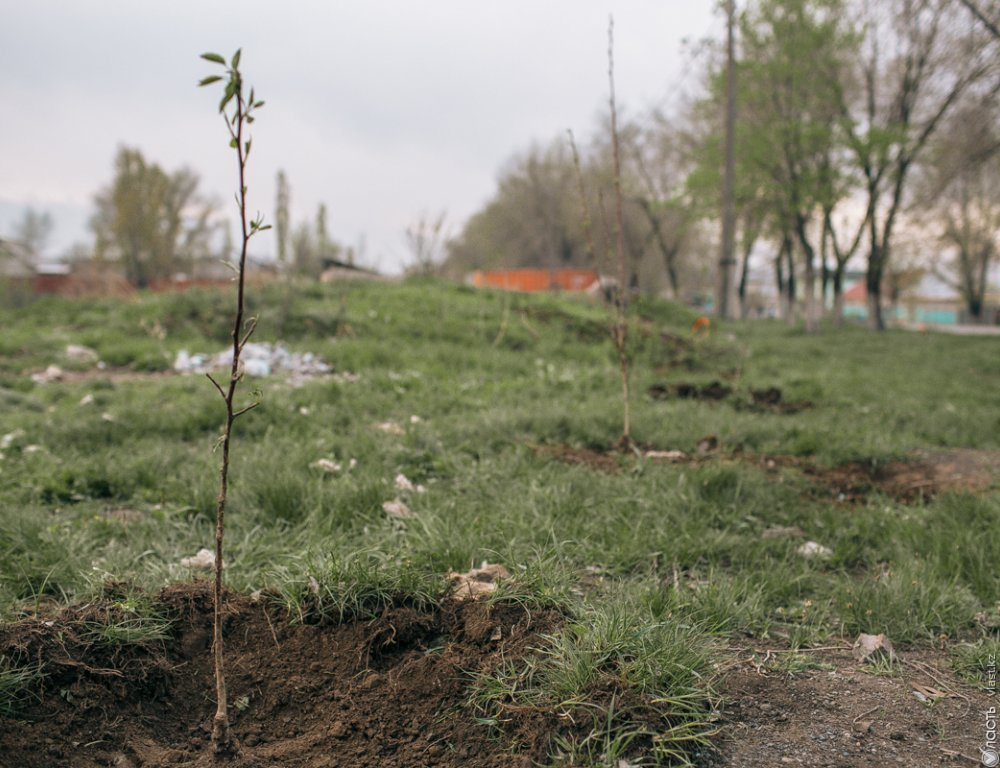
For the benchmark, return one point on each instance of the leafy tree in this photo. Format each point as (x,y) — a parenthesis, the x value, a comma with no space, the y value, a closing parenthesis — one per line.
(153,223)
(530,220)
(791,77)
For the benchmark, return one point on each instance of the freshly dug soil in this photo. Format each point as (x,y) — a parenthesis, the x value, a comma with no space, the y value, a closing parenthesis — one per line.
(394,691)
(388,692)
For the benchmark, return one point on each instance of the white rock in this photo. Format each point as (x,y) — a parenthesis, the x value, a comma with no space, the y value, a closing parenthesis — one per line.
(204,559)
(327,465)
(813,549)
(81,354)
(52,373)
(397,509)
(7,440)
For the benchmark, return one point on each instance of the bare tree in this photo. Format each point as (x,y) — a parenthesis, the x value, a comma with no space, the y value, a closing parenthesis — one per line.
(661,167)
(992,26)
(959,187)
(425,238)
(33,231)
(919,62)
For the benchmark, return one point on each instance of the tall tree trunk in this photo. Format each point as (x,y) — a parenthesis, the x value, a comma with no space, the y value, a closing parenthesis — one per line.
(873,283)
(809,262)
(779,282)
(744,279)
(838,295)
(790,283)
(727,246)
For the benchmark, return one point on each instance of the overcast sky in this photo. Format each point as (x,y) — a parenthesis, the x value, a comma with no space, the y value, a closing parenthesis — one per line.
(381,110)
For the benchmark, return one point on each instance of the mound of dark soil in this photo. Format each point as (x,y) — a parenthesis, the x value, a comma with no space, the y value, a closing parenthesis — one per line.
(389,692)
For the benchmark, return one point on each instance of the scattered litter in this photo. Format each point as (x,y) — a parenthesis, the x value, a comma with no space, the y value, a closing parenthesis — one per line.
(873,648)
(256,595)
(389,427)
(30,449)
(477,581)
(304,411)
(204,559)
(260,359)
(927,694)
(352,463)
(781,531)
(415,419)
(862,726)
(79,354)
(50,374)
(125,515)
(666,455)
(107,417)
(706,445)
(812,549)
(313,585)
(327,465)
(8,440)
(87,399)
(403,484)
(397,509)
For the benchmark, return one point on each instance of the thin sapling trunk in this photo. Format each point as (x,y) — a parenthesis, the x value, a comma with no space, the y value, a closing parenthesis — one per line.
(238,118)
(620,330)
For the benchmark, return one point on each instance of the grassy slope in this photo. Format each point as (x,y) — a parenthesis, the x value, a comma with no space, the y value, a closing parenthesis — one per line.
(486,390)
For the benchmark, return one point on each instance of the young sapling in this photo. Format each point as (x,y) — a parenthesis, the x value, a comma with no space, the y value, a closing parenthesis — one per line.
(238,110)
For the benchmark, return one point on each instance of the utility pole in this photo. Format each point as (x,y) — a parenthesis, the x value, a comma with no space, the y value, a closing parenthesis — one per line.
(727,261)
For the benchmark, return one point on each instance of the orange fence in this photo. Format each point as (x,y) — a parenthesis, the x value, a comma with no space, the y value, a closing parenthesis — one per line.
(533,280)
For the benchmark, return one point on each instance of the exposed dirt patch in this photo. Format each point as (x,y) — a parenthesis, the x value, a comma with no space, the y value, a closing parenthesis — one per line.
(583,457)
(388,692)
(772,399)
(392,692)
(919,478)
(687,391)
(838,714)
(767,400)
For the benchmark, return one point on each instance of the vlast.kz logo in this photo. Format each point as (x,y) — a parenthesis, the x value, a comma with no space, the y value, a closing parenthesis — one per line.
(988,754)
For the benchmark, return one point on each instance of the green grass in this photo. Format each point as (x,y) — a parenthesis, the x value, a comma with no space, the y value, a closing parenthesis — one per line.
(108,477)
(18,682)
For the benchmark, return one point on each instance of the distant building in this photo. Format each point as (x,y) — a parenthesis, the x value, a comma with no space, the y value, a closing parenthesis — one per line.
(335,270)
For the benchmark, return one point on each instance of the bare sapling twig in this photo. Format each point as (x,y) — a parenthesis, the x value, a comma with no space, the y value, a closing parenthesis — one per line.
(238,118)
(620,329)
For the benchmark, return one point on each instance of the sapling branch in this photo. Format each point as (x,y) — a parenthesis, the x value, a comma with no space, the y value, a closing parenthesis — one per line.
(236,122)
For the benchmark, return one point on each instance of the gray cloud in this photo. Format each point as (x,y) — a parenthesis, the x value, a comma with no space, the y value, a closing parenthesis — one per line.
(379,109)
